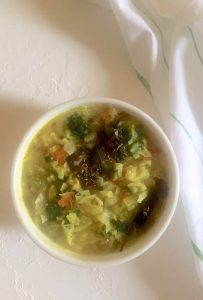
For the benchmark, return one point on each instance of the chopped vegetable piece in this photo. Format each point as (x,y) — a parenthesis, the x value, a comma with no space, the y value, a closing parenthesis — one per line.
(60,155)
(76,211)
(66,202)
(63,187)
(39,204)
(73,218)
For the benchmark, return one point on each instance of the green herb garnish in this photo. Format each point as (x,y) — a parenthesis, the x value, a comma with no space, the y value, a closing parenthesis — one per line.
(124,134)
(78,126)
(53,211)
(140,138)
(121,226)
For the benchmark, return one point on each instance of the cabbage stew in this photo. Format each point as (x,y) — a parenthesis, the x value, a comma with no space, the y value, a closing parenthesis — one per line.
(93,180)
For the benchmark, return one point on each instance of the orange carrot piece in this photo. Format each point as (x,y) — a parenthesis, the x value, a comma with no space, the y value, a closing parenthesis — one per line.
(66,202)
(60,155)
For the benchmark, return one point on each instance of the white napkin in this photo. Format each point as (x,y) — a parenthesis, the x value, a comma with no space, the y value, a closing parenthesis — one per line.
(165,43)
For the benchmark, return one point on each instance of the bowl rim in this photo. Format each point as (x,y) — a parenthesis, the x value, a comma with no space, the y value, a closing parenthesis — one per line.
(57,252)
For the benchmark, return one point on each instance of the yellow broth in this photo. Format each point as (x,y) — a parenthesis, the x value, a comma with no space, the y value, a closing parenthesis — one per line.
(91,178)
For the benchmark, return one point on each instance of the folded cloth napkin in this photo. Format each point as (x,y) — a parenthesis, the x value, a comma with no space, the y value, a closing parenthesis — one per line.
(165,43)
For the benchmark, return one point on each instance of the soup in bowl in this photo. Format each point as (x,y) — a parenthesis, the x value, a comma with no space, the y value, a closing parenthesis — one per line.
(95,181)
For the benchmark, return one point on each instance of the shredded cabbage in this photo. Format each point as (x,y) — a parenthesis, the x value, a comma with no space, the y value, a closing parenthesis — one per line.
(93,171)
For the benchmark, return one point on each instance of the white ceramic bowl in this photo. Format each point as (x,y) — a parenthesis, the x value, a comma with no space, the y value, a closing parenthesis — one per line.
(153,233)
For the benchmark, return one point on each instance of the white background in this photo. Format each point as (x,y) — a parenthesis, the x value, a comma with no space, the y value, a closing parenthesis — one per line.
(52,51)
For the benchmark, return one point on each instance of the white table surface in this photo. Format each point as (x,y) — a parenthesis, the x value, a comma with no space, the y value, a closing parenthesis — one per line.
(51,51)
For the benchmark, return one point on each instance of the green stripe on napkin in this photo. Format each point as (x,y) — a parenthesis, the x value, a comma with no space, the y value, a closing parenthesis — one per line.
(181,124)
(197,251)
(188,134)
(195,45)
(144,82)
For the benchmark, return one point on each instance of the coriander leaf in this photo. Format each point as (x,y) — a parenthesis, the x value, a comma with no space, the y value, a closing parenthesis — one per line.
(78,126)
(124,134)
(140,137)
(121,226)
(53,211)
(138,144)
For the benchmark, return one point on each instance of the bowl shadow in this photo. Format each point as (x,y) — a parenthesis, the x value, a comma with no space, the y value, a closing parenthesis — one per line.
(168,267)
(15,119)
